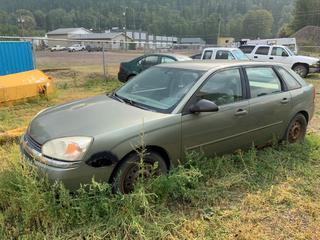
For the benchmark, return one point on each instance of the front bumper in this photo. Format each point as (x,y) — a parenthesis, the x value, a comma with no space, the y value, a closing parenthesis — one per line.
(314,69)
(72,175)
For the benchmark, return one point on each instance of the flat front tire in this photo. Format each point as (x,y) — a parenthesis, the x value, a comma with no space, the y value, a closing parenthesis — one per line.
(133,169)
(297,129)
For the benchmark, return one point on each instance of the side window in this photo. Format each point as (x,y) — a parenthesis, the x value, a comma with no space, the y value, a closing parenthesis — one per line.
(151,60)
(279,51)
(221,54)
(291,82)
(222,88)
(247,49)
(167,60)
(263,81)
(262,51)
(207,54)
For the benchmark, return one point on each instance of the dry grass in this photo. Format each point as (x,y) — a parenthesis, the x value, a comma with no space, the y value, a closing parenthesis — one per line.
(275,194)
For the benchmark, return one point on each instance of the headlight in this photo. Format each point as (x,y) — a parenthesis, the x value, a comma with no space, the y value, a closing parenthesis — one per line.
(67,149)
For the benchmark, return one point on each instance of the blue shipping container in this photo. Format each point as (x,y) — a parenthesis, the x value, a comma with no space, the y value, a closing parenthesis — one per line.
(15,57)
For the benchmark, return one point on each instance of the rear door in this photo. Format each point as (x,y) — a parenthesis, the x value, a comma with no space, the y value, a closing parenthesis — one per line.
(269,104)
(261,54)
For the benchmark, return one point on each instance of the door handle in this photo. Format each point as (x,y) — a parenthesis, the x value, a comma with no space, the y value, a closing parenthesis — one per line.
(285,101)
(241,112)
(255,57)
(271,58)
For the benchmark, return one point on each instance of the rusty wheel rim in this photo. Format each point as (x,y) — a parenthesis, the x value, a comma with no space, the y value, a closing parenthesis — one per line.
(134,173)
(296,131)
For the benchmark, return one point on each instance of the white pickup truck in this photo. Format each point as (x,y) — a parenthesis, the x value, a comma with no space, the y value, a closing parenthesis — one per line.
(223,53)
(302,65)
(76,48)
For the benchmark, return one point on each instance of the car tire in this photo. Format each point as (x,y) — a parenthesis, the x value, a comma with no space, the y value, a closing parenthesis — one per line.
(301,70)
(297,129)
(130,170)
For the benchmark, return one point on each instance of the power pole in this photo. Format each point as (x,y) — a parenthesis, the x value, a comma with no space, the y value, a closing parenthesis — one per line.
(219,29)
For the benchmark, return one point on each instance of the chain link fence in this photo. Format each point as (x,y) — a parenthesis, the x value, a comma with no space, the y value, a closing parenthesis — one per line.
(104,57)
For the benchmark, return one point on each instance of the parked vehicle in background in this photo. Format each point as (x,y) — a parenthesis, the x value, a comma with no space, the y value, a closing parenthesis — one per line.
(90,48)
(213,107)
(196,56)
(302,65)
(76,48)
(130,69)
(290,43)
(58,48)
(220,53)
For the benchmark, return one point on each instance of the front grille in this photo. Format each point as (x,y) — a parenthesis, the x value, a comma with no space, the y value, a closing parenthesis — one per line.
(32,143)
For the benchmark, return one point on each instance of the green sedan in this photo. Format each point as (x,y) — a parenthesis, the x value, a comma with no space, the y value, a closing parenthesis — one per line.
(168,110)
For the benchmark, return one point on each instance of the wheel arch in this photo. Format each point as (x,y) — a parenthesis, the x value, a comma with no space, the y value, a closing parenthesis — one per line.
(161,151)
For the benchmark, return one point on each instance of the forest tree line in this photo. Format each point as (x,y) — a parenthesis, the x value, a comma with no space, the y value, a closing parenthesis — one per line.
(181,18)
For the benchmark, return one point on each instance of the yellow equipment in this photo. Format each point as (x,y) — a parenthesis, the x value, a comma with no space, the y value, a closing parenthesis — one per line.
(24,85)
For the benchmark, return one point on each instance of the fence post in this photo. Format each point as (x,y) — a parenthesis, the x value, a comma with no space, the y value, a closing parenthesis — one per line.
(34,54)
(104,62)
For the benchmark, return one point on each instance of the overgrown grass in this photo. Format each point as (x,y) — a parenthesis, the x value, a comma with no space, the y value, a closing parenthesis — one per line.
(267,194)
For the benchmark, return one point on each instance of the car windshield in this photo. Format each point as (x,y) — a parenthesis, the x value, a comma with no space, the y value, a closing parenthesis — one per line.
(240,55)
(159,88)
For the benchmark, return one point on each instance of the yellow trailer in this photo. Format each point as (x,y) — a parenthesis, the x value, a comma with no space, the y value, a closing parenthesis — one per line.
(24,85)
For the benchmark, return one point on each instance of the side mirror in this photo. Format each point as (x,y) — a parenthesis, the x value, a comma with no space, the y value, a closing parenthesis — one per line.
(204,105)
(284,54)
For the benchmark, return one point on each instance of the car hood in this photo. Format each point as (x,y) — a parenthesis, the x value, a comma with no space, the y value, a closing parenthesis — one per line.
(88,117)
(306,59)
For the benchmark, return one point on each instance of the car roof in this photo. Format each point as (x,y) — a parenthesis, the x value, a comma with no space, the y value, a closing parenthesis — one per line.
(177,56)
(221,48)
(206,65)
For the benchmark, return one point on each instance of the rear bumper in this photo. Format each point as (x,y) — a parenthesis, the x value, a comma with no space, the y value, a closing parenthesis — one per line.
(122,77)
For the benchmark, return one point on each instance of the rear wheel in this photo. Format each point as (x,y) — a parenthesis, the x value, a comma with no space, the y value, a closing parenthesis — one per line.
(132,169)
(297,129)
(301,70)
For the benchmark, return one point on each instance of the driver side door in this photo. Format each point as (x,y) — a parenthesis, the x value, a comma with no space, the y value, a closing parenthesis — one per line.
(224,130)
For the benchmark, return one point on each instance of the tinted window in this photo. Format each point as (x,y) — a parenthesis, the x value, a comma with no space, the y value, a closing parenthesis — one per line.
(207,54)
(247,49)
(151,60)
(222,54)
(263,50)
(222,88)
(263,81)
(278,51)
(167,60)
(289,79)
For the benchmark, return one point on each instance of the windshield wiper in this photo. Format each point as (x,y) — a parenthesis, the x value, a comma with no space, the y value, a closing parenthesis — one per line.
(128,101)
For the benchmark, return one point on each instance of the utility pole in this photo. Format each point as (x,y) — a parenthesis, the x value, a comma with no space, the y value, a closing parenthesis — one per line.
(125,28)
(219,29)
(21,21)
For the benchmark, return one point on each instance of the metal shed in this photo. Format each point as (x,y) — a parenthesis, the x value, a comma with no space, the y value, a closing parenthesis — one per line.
(15,57)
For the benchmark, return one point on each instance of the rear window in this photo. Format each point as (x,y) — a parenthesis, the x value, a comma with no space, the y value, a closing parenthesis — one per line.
(247,49)
(263,50)
(291,82)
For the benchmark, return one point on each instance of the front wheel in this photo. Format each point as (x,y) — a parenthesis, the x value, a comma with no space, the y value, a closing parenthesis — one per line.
(301,70)
(297,129)
(133,169)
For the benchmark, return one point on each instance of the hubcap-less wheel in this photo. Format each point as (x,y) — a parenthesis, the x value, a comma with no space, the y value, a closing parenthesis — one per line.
(132,170)
(135,173)
(297,129)
(301,70)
